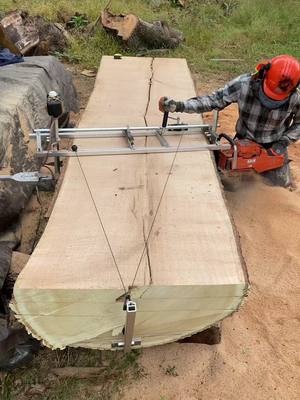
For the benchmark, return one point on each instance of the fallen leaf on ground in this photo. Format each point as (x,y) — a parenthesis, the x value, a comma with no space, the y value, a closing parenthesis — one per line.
(89,73)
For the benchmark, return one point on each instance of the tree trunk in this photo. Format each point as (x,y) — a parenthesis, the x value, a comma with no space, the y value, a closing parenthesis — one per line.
(191,274)
(138,34)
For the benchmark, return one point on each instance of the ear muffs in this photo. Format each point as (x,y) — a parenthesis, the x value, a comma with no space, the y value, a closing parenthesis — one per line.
(261,69)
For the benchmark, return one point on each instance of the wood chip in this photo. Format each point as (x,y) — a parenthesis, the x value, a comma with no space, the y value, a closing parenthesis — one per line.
(89,73)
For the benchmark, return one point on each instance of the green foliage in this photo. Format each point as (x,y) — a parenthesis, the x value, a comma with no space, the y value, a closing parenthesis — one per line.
(171,370)
(78,21)
(250,30)
(228,6)
(119,368)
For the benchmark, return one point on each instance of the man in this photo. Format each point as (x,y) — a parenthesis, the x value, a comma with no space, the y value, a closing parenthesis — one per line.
(269,107)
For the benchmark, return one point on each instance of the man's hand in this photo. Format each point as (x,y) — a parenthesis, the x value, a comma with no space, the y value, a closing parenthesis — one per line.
(280,147)
(167,104)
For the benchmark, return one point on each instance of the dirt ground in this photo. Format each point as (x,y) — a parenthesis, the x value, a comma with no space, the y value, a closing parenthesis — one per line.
(258,357)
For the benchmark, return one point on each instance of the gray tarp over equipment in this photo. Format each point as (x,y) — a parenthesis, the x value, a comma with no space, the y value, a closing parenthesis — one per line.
(24,89)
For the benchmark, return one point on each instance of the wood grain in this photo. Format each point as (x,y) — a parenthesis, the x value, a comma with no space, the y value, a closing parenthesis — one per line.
(70,292)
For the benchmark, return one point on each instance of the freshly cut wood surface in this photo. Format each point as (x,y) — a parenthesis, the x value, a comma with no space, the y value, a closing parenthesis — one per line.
(191,276)
(74,236)
(124,25)
(193,228)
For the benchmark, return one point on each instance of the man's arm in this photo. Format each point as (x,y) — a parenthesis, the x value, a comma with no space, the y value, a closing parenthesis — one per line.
(216,101)
(293,133)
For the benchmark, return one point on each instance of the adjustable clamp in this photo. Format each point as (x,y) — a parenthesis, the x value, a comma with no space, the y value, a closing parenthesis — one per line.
(26,177)
(128,331)
(130,138)
(55,110)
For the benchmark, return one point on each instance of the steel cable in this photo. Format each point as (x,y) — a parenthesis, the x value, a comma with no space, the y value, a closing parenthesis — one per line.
(99,218)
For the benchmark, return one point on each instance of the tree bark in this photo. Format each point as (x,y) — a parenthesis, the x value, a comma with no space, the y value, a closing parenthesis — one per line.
(138,34)
(6,43)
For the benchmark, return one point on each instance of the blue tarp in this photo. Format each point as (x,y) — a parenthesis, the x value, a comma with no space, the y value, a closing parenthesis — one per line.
(7,57)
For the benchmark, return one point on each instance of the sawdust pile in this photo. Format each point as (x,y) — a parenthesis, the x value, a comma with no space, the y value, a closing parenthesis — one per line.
(258,357)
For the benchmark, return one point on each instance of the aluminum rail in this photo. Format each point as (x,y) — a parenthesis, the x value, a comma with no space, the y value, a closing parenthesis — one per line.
(118,133)
(138,150)
(121,129)
(100,135)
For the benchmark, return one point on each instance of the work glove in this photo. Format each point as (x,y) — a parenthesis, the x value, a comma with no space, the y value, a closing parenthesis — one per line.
(280,147)
(167,104)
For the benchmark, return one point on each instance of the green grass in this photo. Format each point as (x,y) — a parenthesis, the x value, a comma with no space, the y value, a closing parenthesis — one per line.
(119,369)
(250,30)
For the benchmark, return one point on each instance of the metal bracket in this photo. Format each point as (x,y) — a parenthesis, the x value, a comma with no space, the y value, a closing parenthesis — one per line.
(26,177)
(212,135)
(130,138)
(120,345)
(215,123)
(54,142)
(161,139)
(129,341)
(129,327)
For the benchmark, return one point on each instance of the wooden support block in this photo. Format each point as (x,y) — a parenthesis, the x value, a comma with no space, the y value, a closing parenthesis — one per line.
(209,336)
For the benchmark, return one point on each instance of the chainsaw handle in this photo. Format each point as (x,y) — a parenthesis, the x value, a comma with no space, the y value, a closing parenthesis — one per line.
(227,137)
(165,119)
(234,147)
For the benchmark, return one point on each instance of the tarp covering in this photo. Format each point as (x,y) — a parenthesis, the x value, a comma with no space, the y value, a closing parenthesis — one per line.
(24,89)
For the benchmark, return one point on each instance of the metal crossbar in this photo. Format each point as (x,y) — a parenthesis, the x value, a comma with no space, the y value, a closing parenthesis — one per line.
(129,133)
(143,129)
(136,150)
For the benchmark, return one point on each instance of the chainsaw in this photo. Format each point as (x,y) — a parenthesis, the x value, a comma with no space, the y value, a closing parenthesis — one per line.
(245,155)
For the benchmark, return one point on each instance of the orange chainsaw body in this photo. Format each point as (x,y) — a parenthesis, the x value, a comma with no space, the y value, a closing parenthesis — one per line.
(250,156)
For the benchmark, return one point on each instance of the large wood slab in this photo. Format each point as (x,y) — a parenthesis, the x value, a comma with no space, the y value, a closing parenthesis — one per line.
(192,274)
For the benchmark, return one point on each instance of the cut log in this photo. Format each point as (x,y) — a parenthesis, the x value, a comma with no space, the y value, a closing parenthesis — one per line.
(141,34)
(5,261)
(16,31)
(27,35)
(6,43)
(71,293)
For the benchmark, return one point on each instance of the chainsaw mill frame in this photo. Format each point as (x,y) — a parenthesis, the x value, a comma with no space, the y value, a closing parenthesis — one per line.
(129,134)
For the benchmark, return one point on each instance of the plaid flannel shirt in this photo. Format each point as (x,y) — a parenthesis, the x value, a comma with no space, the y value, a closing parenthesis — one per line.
(255,121)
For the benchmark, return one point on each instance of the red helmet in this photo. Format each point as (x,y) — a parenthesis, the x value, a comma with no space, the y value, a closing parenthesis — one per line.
(281,77)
